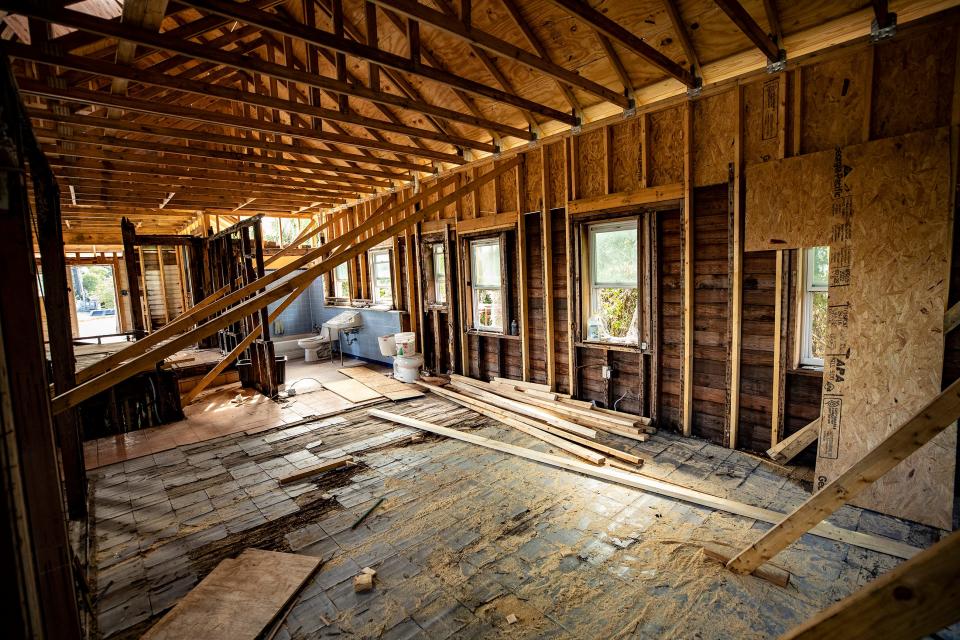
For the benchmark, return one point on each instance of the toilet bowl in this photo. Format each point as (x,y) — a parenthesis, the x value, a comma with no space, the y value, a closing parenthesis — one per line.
(310,346)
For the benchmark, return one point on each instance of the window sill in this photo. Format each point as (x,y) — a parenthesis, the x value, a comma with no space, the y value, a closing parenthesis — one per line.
(810,371)
(609,346)
(491,334)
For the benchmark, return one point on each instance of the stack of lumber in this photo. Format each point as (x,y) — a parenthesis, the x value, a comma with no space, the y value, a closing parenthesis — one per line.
(529,408)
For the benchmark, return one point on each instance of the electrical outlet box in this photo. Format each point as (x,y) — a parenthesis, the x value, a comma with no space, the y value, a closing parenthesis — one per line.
(606,372)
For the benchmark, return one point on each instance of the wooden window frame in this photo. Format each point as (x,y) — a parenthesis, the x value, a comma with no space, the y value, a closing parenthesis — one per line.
(371,263)
(587,230)
(471,298)
(807,292)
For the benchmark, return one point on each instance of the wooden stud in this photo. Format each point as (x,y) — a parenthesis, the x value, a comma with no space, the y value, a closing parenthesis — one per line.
(546,250)
(736,278)
(686,400)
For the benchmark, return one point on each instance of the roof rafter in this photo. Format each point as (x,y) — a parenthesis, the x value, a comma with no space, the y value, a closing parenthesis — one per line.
(683,35)
(632,42)
(745,22)
(472,35)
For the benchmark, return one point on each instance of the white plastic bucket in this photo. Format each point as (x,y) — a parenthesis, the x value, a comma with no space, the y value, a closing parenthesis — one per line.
(406,342)
(388,345)
(407,368)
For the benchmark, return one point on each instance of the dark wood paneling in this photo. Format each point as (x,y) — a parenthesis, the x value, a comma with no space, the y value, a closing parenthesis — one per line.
(756,372)
(670,347)
(536,319)
(558,228)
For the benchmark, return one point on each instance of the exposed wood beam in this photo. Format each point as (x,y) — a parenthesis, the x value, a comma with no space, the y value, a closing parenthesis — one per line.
(165,200)
(213,138)
(541,50)
(455,27)
(912,434)
(249,64)
(773,19)
(881,11)
(915,599)
(177,83)
(683,35)
(327,40)
(615,62)
(94,184)
(750,28)
(213,117)
(615,31)
(146,14)
(199,152)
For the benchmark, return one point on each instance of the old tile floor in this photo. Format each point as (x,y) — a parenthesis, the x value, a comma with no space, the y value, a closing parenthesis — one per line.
(465,537)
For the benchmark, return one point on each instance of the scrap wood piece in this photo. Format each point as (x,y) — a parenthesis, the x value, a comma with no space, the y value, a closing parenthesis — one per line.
(503,415)
(722,553)
(238,599)
(352,390)
(527,410)
(659,487)
(790,447)
(917,598)
(392,388)
(329,465)
(522,383)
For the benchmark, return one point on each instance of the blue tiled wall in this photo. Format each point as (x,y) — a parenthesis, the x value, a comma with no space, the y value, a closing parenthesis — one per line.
(309,311)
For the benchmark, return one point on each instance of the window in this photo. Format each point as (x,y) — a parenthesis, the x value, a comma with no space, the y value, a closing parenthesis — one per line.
(814,320)
(439,274)
(289,230)
(613,282)
(381,282)
(486,284)
(341,281)
(270,228)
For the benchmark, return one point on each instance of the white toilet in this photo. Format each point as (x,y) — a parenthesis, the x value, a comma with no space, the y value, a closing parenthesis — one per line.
(312,344)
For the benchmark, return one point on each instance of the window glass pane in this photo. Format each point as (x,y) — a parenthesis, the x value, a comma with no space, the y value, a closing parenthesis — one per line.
(615,256)
(270,230)
(340,272)
(818,329)
(615,314)
(381,270)
(439,274)
(486,263)
(290,228)
(488,309)
(819,258)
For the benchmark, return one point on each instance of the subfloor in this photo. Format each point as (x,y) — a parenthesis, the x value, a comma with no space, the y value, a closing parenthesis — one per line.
(231,409)
(465,536)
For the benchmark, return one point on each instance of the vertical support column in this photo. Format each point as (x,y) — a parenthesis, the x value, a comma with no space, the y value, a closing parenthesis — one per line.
(736,276)
(43,555)
(57,305)
(782,287)
(570,193)
(522,273)
(129,235)
(686,397)
(546,249)
(450,262)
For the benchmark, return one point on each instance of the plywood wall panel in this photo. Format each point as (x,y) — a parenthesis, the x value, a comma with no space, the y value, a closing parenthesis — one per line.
(531,176)
(715,132)
(556,180)
(487,193)
(590,164)
(665,137)
(762,129)
(626,161)
(914,83)
(836,96)
(885,205)
(506,186)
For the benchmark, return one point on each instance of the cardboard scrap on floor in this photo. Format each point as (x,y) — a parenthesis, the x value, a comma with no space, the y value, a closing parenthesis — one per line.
(389,387)
(238,599)
(352,390)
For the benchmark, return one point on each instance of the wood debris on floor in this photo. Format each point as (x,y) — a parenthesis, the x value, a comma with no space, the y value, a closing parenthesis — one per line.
(386,386)
(352,390)
(238,599)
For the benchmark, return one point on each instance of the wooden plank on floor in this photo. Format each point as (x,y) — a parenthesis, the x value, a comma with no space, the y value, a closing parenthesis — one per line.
(238,599)
(389,387)
(352,390)
(328,465)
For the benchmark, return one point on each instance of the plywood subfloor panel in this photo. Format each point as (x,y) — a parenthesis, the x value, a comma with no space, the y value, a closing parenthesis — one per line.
(389,387)
(238,599)
(352,390)
(883,207)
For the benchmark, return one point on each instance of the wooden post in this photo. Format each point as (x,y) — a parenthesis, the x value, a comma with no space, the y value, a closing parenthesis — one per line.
(546,249)
(686,399)
(129,235)
(736,277)
(522,274)
(569,193)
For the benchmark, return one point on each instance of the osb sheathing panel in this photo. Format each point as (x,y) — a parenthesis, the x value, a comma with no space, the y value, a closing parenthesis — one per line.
(626,164)
(532,176)
(835,99)
(762,129)
(556,164)
(487,193)
(506,186)
(590,164)
(715,136)
(914,83)
(665,137)
(883,207)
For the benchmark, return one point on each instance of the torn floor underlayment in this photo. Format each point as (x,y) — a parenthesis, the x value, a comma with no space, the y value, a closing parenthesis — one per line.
(466,537)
